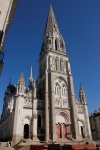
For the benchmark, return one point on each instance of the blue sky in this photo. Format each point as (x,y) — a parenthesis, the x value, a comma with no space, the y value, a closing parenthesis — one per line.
(79,23)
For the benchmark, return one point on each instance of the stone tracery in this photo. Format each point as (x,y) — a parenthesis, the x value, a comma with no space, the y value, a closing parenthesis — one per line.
(61,93)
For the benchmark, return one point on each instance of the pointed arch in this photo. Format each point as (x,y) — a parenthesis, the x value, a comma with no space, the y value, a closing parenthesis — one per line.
(81,126)
(64,116)
(26,118)
(61,79)
(62,86)
(57,88)
(62,122)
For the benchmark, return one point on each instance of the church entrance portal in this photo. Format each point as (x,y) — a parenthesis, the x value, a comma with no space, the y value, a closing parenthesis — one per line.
(61,130)
(26,131)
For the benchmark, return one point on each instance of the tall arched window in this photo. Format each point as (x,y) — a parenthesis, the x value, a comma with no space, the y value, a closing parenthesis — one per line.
(39,121)
(55,44)
(63,90)
(57,89)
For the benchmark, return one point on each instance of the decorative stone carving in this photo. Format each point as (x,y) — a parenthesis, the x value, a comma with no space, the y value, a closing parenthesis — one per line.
(57,63)
(61,103)
(53,64)
(64,66)
(60,80)
(80,108)
(35,116)
(40,104)
(28,103)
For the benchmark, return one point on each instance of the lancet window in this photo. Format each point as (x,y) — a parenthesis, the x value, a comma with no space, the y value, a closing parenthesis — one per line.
(63,90)
(60,88)
(55,44)
(57,89)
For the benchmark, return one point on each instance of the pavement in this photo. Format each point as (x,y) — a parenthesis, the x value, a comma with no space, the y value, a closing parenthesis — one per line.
(6,148)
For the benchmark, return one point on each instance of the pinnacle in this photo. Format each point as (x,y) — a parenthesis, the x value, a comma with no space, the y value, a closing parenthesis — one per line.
(31,77)
(21,79)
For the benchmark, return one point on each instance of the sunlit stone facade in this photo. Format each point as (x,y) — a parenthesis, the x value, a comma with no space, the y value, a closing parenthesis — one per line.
(47,109)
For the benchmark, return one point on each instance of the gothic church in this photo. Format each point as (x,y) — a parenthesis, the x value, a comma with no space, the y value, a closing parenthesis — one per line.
(47,109)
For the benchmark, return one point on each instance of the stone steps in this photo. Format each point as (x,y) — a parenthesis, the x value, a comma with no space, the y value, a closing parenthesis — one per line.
(6,148)
(25,148)
(3,144)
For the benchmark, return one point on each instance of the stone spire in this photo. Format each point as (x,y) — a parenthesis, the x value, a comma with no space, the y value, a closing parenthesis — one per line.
(52,39)
(31,77)
(21,79)
(51,24)
(82,95)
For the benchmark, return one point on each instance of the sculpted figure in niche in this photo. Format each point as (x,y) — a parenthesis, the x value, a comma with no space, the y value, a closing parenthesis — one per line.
(56,103)
(49,43)
(53,63)
(57,63)
(62,46)
(62,65)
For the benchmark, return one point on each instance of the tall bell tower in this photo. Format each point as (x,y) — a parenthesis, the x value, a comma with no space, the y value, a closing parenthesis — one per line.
(55,84)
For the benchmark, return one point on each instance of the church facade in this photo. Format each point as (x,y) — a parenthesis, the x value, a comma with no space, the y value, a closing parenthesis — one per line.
(47,109)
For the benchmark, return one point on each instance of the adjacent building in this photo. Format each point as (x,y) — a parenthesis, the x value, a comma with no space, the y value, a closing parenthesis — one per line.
(7,9)
(47,109)
(95,124)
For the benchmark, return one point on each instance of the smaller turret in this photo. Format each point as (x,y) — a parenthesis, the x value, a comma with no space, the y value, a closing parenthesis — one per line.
(21,85)
(31,79)
(82,95)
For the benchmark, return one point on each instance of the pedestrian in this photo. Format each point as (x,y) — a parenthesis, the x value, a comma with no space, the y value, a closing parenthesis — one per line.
(8,144)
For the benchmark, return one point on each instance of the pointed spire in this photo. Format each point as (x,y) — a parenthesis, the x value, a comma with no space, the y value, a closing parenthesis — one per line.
(31,77)
(21,79)
(51,23)
(52,39)
(82,94)
(81,89)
